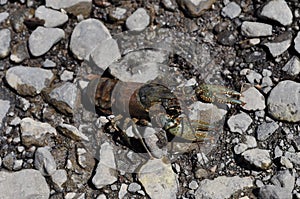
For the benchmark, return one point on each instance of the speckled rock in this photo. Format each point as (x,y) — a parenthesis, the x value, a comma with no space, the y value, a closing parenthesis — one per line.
(284,101)
(86,36)
(44,161)
(195,8)
(239,123)
(4,107)
(254,99)
(5,38)
(158,179)
(24,184)
(139,20)
(53,18)
(28,80)
(42,39)
(256,29)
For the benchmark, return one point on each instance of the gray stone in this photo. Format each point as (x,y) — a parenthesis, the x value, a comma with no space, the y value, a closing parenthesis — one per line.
(231,10)
(35,132)
(254,99)
(3,2)
(59,177)
(169,4)
(280,44)
(239,123)
(86,36)
(3,16)
(158,179)
(42,39)
(258,157)
(5,38)
(256,29)
(24,184)
(293,157)
(9,161)
(250,141)
(284,179)
(222,187)
(134,187)
(28,80)
(284,161)
(279,11)
(49,64)
(105,54)
(122,191)
(58,4)
(274,192)
(44,161)
(284,101)
(193,185)
(19,52)
(253,77)
(139,20)
(240,148)
(292,67)
(117,14)
(18,165)
(266,129)
(4,107)
(53,18)
(101,196)
(67,75)
(266,84)
(297,42)
(195,8)
(106,169)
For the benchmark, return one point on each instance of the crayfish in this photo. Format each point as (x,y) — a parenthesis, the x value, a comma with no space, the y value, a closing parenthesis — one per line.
(154,104)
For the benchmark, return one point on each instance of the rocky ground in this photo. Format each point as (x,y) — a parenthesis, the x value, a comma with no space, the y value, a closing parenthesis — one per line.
(55,144)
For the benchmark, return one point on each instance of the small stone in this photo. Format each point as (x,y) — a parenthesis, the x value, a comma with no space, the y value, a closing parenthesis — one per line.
(25,184)
(266,129)
(122,191)
(279,11)
(15,122)
(59,177)
(18,165)
(195,8)
(66,75)
(58,4)
(284,101)
(28,80)
(5,38)
(81,10)
(201,174)
(44,161)
(231,10)
(72,132)
(253,77)
(284,179)
(4,107)
(193,185)
(86,36)
(280,44)
(240,148)
(134,187)
(284,161)
(19,52)
(258,157)
(17,18)
(53,18)
(49,64)
(256,29)
(42,39)
(101,196)
(117,14)
(3,16)
(169,4)
(35,132)
(292,67)
(271,191)
(250,141)
(239,123)
(9,160)
(139,20)
(254,99)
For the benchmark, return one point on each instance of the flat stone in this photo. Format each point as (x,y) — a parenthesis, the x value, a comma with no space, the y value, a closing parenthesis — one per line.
(195,8)
(284,101)
(106,169)
(35,132)
(67,75)
(276,192)
(240,148)
(42,39)
(256,29)
(239,123)
(4,107)
(28,80)
(86,36)
(158,179)
(53,18)
(139,20)
(105,54)
(58,4)
(280,44)
(266,129)
(231,10)
(44,161)
(254,99)
(279,11)
(72,132)
(222,187)
(292,67)
(259,158)
(5,38)
(25,184)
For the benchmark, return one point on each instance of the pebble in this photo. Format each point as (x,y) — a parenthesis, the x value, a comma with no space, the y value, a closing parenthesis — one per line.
(252,76)
(254,99)
(169,4)
(117,14)
(4,107)
(25,184)
(3,16)
(138,21)
(72,132)
(222,187)
(284,179)
(3,2)
(239,123)
(134,187)
(158,179)
(271,191)
(101,196)
(49,64)
(59,177)
(279,11)
(265,130)
(284,161)
(240,148)
(44,161)
(67,75)
(259,158)
(86,36)
(231,10)
(105,172)
(64,97)
(28,80)
(256,29)
(293,157)
(250,141)
(82,10)
(53,18)
(57,4)
(284,102)
(292,67)
(193,185)
(195,8)
(9,161)
(35,132)
(42,39)
(5,38)
(105,54)
(297,42)
(122,191)
(19,52)
(280,44)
